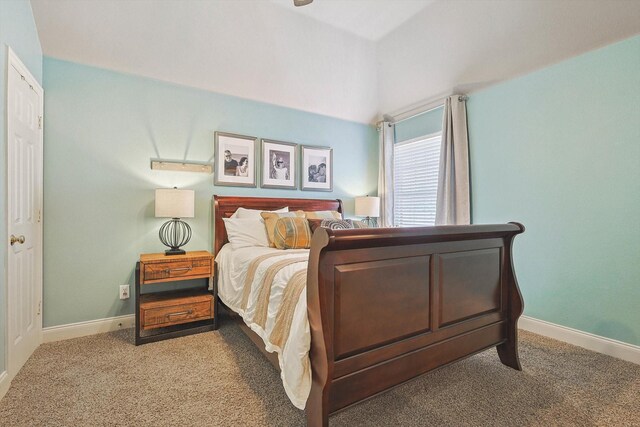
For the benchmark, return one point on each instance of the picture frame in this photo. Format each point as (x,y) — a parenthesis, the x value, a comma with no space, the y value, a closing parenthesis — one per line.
(279,164)
(316,168)
(235,160)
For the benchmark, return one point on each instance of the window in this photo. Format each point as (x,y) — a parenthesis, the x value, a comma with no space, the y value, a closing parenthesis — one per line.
(416,164)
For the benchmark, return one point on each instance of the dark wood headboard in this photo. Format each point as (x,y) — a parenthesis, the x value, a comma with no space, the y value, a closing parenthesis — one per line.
(225,206)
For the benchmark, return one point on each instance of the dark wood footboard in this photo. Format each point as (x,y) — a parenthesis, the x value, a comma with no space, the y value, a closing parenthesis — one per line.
(386,305)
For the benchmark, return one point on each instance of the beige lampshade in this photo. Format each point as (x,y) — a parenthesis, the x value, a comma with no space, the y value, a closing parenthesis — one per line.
(174,203)
(368,206)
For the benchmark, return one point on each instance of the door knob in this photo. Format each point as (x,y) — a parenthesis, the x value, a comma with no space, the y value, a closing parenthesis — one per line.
(15,239)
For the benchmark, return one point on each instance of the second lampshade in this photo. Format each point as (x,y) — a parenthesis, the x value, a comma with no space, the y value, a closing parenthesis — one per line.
(368,207)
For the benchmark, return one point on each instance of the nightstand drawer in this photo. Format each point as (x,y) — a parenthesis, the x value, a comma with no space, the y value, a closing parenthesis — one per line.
(159,312)
(177,269)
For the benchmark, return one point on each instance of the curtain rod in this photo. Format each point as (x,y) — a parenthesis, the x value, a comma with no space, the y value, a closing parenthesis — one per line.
(419,110)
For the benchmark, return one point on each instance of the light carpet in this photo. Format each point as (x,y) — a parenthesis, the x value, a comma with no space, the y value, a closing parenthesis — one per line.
(220,379)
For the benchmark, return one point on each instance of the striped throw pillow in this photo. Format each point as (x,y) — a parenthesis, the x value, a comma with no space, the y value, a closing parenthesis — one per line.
(292,233)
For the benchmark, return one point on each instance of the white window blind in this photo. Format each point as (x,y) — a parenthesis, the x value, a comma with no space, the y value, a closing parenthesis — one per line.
(416,164)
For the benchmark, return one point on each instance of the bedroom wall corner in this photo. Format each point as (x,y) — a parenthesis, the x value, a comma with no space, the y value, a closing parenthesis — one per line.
(103,127)
(18,31)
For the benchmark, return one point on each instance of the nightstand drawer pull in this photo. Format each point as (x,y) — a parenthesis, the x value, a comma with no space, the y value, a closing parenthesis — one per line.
(182,313)
(168,270)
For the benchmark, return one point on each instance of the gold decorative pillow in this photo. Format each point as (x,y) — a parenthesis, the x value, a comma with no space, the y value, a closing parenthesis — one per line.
(270,219)
(323,215)
(292,233)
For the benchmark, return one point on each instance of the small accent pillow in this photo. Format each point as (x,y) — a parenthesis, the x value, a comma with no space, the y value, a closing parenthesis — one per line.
(244,213)
(243,233)
(323,215)
(335,224)
(270,219)
(292,233)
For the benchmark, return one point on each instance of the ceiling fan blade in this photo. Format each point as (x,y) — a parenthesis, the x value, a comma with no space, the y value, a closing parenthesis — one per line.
(301,2)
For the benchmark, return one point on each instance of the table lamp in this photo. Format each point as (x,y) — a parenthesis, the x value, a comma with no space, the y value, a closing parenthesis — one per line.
(175,204)
(368,207)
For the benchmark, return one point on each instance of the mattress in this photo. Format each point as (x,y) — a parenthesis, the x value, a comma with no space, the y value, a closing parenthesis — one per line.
(267,288)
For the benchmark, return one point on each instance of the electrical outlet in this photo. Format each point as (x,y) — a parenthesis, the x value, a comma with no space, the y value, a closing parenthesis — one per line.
(124,291)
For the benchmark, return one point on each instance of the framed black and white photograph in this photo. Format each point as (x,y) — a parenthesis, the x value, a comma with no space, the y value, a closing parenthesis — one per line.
(235,159)
(279,164)
(317,168)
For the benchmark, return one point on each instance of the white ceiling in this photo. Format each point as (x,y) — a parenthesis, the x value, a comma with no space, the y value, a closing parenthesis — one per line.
(467,45)
(371,19)
(351,59)
(252,49)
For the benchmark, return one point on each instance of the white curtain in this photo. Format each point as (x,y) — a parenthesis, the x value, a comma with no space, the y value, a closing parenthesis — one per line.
(386,137)
(453,204)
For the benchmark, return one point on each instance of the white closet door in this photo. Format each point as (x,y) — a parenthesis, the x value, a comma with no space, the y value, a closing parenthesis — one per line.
(24,203)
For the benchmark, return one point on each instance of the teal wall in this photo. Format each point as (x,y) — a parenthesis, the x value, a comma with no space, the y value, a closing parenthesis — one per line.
(559,151)
(421,125)
(102,128)
(18,31)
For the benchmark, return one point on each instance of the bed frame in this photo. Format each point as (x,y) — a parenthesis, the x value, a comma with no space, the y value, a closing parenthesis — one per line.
(386,305)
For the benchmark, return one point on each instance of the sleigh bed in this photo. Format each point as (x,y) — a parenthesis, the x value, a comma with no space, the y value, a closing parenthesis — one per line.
(386,305)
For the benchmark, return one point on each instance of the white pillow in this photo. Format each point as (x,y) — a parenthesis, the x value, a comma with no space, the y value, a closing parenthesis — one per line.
(243,232)
(254,213)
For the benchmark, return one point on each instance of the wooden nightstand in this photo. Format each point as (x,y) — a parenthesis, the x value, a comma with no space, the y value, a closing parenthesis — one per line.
(162,314)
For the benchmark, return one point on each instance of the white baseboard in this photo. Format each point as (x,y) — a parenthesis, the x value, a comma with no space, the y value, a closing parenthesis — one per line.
(5,382)
(619,349)
(91,327)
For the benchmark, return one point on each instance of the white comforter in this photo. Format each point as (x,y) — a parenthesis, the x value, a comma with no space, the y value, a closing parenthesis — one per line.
(294,356)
